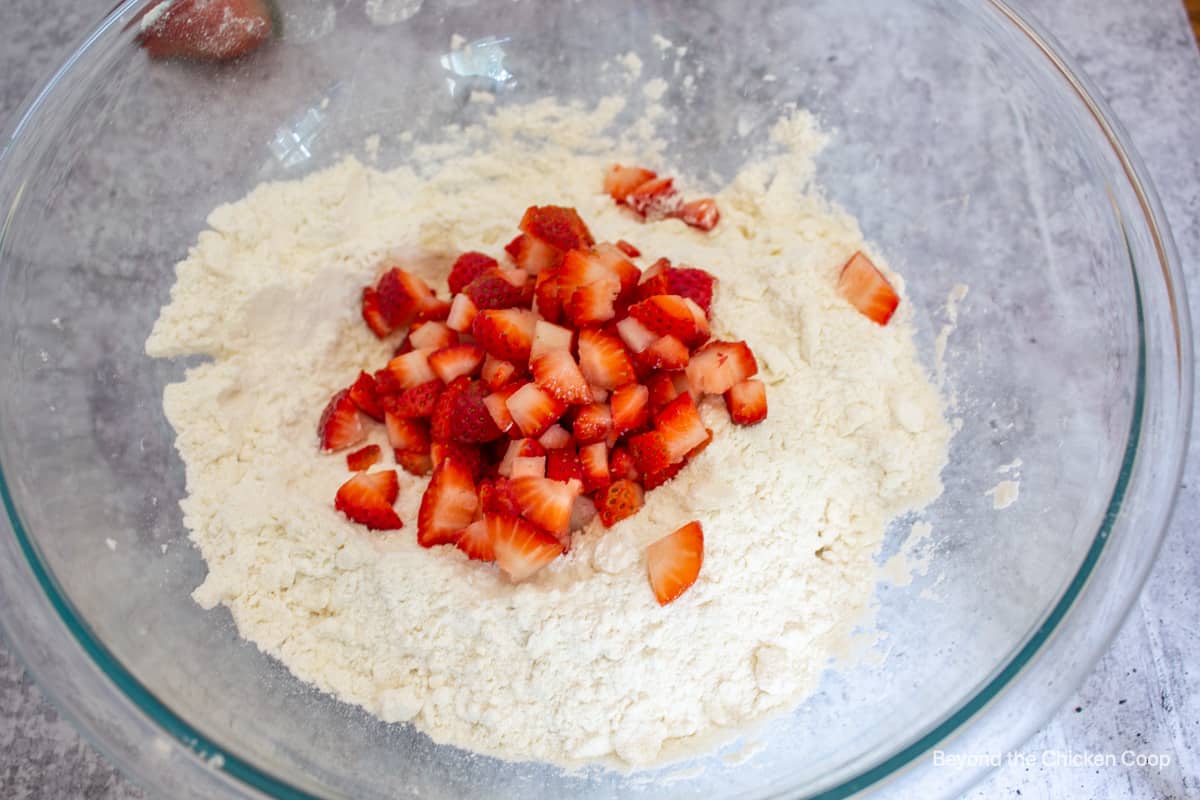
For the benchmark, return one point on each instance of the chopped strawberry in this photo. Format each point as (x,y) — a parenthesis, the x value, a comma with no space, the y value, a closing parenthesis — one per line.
(519,448)
(681,427)
(497,406)
(599,395)
(433,334)
(666,353)
(548,336)
(556,437)
(341,424)
(448,505)
(673,562)
(556,373)
(655,280)
(655,199)
(556,226)
(453,362)
(364,458)
(604,360)
(208,30)
(475,541)
(534,256)
(702,214)
(582,513)
(716,367)
(386,385)
(629,406)
(372,315)
(412,368)
(545,502)
(467,268)
(407,435)
(650,452)
(620,181)
(636,336)
(414,463)
(592,303)
(628,249)
(500,288)
(506,334)
(747,402)
(864,286)
(694,284)
(593,460)
(612,257)
(547,299)
(417,402)
(496,373)
(462,416)
(563,464)
(468,455)
(529,467)
(623,498)
(496,496)
(365,396)
(620,464)
(672,315)
(534,410)
(520,548)
(662,390)
(403,297)
(462,314)
(653,480)
(367,498)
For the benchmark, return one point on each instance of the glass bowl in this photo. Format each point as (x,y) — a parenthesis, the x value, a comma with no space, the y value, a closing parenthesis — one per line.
(968,149)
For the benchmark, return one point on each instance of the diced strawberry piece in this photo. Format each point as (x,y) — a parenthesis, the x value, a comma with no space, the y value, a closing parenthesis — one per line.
(593,303)
(628,249)
(417,402)
(673,562)
(747,402)
(653,480)
(453,362)
(592,423)
(468,455)
(621,466)
(476,542)
(506,334)
(496,497)
(207,30)
(500,288)
(694,284)
(367,498)
(497,406)
(655,280)
(467,268)
(650,452)
(519,448)
(557,226)
(702,214)
(364,458)
(462,416)
(618,265)
(341,424)
(666,353)
(864,286)
(433,334)
(681,428)
(654,199)
(414,463)
(636,336)
(556,437)
(672,315)
(662,390)
(365,396)
(403,297)
(412,368)
(620,181)
(599,395)
(407,435)
(520,548)
(545,502)
(547,337)
(594,461)
(496,373)
(716,367)
(629,406)
(372,315)
(563,464)
(622,499)
(547,299)
(556,373)
(534,410)
(604,360)
(535,256)
(529,467)
(448,505)
(386,385)
(462,314)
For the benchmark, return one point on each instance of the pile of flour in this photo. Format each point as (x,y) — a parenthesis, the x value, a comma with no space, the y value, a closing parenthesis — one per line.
(579,664)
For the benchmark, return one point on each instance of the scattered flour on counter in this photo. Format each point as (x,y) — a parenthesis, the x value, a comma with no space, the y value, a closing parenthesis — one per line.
(1004,494)
(579,664)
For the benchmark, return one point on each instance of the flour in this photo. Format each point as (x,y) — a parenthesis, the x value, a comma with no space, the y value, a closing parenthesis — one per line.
(579,664)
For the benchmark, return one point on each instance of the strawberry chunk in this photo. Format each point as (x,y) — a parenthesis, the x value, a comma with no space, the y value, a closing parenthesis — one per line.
(341,424)
(556,373)
(621,466)
(496,497)
(593,423)
(453,362)
(448,505)
(593,303)
(208,30)
(364,458)
(747,402)
(547,337)
(468,455)
(506,334)
(520,548)
(665,353)
(495,373)
(563,465)
(620,181)
(654,199)
(681,428)
(476,542)
(621,499)
(604,360)
(615,261)
(497,406)
(672,315)
(417,402)
(628,249)
(593,460)
(500,288)
(636,336)
(414,463)
(467,267)
(366,397)
(557,226)
(650,452)
(655,280)
(434,335)
(662,390)
(702,214)
(529,467)
(403,298)
(673,562)
(518,448)
(545,502)
(629,406)
(533,255)
(462,314)
(372,315)
(547,297)
(407,435)
(864,286)
(534,410)
(367,498)
(694,284)
(412,368)
(716,367)
(556,437)
(461,415)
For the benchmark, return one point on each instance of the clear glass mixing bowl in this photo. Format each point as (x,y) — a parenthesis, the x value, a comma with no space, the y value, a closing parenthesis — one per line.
(970,153)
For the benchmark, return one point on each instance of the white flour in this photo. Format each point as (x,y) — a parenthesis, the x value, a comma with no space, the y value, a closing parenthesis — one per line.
(579,664)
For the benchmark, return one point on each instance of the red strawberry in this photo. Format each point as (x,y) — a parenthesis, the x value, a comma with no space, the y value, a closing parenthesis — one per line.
(666,353)
(506,334)
(547,337)
(716,367)
(747,402)
(604,360)
(650,452)
(476,542)
(702,214)
(593,460)
(662,390)
(367,499)
(386,385)
(629,406)
(556,226)
(518,448)
(593,303)
(672,315)
(655,280)
(625,271)
(496,373)
(546,296)
(545,502)
(620,464)
(448,505)
(520,548)
(534,410)
(363,459)
(556,437)
(365,396)
(461,415)
(636,336)
(653,480)
(500,288)
(462,314)
(592,423)
(556,373)
(563,464)
(467,268)
(497,406)
(694,284)
(680,426)
(654,199)
(412,368)
(341,424)
(453,362)
(467,455)
(403,297)
(433,334)
(533,255)
(414,463)
(372,315)
(619,181)
(864,286)
(208,30)
(623,498)
(407,435)
(628,249)
(417,402)
(674,561)
(496,496)
(529,468)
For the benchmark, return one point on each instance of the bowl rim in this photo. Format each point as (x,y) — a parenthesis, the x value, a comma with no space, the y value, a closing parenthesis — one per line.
(242,775)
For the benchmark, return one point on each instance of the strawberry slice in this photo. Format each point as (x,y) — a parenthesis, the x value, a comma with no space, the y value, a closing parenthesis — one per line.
(461,415)
(747,402)
(518,448)
(341,424)
(592,423)
(414,463)
(467,267)
(556,437)
(557,226)
(716,367)
(496,497)
(702,214)
(653,480)
(448,505)
(407,435)
(367,499)
(417,402)
(545,502)
(453,362)
(506,334)
(620,181)
(434,335)
(662,390)
(412,368)
(533,255)
(547,337)
(621,466)
(650,452)
(500,288)
(673,562)
(655,280)
(547,298)
(364,458)
(666,353)
(593,303)
(636,336)
(534,410)
(372,315)
(654,199)
(496,373)
(462,314)
(627,248)
(208,30)
(604,360)
(593,460)
(622,499)
(468,455)
(366,396)
(563,465)
(556,373)
(864,286)
(403,297)
(694,284)
(497,406)
(629,406)
(476,542)
(611,256)
(519,547)
(529,467)
(681,428)
(672,315)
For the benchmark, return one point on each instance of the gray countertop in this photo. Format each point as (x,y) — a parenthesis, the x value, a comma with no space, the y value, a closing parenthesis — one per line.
(1144,695)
